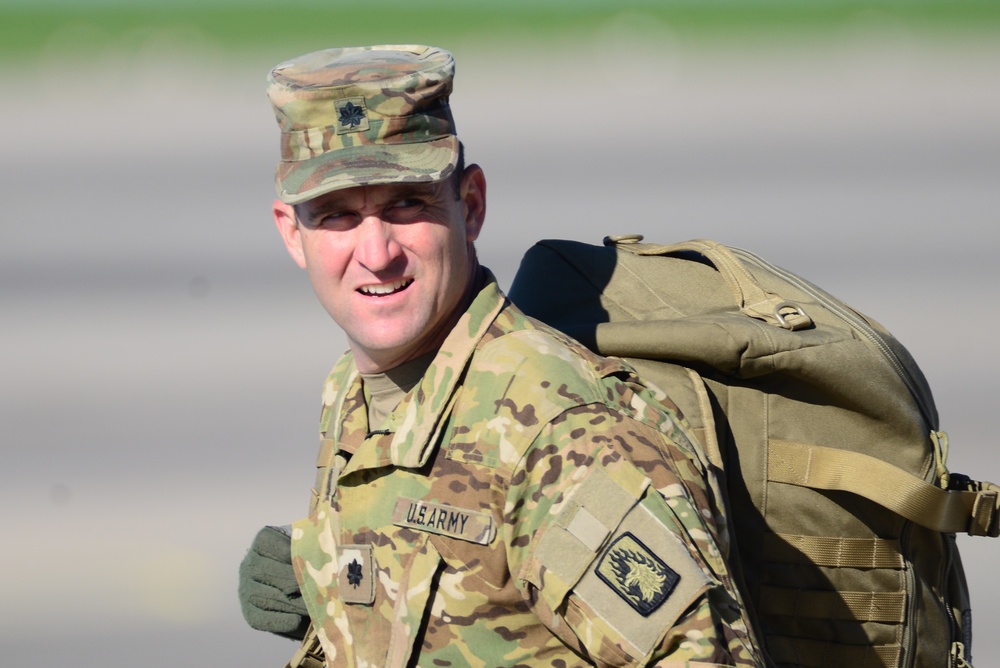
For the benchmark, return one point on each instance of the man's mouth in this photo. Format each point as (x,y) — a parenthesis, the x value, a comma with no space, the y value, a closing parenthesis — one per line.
(384,289)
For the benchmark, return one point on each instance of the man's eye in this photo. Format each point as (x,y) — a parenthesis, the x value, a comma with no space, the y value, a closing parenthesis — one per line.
(337,221)
(408,203)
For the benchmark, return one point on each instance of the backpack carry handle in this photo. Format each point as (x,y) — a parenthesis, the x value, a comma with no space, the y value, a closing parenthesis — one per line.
(752,299)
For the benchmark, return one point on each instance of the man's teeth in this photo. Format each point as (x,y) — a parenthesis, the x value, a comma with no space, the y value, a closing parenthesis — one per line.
(385,288)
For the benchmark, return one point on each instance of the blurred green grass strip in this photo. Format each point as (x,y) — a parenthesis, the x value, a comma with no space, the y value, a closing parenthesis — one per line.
(26,30)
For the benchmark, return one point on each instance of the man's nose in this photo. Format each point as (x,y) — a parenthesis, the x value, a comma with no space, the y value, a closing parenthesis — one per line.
(376,246)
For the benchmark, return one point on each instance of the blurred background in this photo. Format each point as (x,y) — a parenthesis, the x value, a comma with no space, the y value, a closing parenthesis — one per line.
(162,357)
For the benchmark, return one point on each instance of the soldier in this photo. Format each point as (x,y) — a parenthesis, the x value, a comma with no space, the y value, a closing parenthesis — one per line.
(488,491)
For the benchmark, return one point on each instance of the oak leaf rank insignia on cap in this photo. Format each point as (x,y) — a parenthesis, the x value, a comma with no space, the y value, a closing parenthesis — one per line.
(363,116)
(351,115)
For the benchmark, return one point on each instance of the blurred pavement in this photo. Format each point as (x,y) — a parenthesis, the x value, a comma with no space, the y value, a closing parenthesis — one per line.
(162,356)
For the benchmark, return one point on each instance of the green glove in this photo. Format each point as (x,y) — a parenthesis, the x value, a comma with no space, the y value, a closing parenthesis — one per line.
(269,595)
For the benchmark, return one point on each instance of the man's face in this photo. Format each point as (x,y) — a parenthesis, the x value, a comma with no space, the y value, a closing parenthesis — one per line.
(392,263)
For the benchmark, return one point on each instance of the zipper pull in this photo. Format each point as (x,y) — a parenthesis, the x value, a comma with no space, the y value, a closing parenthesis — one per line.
(958,656)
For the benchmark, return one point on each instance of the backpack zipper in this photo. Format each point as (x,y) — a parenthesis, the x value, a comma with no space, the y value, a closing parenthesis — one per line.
(961,654)
(850,317)
(958,656)
(862,327)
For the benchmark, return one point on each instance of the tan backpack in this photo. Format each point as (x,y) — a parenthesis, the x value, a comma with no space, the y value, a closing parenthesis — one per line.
(843,512)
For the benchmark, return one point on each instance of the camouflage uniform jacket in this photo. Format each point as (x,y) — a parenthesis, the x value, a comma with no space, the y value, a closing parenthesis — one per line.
(528,503)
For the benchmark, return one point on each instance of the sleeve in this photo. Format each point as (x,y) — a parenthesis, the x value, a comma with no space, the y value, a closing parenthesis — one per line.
(614,546)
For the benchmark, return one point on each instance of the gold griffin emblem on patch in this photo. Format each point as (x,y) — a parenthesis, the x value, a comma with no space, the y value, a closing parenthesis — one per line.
(637,575)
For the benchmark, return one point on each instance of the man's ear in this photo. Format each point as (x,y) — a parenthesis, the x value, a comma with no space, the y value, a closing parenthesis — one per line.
(288,228)
(473,195)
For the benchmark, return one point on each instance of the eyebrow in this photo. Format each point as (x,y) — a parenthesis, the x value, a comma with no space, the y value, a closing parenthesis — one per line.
(408,189)
(312,211)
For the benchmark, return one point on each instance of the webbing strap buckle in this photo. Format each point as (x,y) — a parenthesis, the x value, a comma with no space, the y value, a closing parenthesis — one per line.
(985,519)
(309,654)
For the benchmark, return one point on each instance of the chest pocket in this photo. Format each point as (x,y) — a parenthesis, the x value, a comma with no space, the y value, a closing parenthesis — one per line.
(367,600)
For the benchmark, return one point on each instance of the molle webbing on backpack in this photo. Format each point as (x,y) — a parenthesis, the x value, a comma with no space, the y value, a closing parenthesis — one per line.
(817,654)
(820,423)
(865,606)
(834,552)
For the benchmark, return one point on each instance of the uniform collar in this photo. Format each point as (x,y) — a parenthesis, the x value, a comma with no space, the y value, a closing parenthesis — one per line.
(416,425)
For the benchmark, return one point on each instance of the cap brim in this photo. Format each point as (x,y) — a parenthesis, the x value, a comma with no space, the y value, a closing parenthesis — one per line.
(366,164)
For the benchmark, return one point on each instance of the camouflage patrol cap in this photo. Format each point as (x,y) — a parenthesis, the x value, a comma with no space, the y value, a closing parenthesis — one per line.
(362,116)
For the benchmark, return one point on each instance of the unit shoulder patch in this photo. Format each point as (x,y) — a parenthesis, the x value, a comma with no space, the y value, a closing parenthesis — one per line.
(636,575)
(643,579)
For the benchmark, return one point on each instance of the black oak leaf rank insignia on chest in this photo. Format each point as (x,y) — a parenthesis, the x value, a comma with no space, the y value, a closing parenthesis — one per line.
(636,575)
(354,573)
